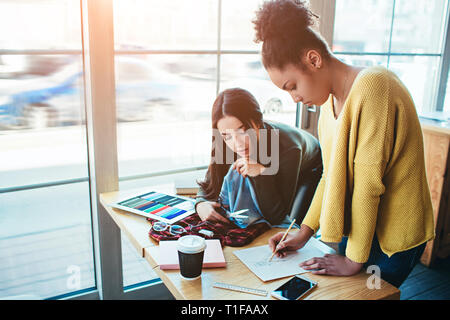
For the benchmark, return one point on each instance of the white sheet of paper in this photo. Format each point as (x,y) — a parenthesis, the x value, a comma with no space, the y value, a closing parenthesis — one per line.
(256,259)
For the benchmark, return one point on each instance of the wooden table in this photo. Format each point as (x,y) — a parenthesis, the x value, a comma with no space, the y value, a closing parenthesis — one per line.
(329,287)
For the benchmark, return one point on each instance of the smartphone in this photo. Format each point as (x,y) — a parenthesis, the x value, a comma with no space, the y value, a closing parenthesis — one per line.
(294,289)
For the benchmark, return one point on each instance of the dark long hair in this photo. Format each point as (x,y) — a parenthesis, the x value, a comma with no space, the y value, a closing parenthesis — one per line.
(242,105)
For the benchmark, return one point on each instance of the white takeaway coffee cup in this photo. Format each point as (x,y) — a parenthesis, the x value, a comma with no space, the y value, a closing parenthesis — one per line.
(191,250)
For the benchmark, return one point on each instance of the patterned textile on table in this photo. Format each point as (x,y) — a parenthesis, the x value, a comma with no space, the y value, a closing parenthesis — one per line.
(228,234)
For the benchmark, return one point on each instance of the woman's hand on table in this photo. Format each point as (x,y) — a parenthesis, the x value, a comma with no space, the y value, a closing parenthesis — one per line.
(332,264)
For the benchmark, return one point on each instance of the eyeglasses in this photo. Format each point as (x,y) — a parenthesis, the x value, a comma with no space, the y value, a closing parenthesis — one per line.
(175,229)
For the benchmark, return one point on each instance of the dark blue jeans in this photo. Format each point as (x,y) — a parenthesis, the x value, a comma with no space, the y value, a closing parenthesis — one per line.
(394,269)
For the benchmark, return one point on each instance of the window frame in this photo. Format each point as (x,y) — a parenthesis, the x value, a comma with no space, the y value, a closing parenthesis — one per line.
(438,96)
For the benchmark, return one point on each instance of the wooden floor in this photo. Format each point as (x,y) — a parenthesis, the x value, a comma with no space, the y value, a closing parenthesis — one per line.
(428,283)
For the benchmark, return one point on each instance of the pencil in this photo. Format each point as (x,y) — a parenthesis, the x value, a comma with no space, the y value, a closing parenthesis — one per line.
(282,239)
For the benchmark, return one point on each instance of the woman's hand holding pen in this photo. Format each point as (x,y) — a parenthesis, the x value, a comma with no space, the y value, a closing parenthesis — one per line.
(293,241)
(331,264)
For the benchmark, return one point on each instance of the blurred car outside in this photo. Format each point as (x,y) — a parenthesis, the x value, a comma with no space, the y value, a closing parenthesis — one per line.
(57,99)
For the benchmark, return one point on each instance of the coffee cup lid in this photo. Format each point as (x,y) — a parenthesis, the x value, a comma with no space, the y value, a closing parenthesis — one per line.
(191,244)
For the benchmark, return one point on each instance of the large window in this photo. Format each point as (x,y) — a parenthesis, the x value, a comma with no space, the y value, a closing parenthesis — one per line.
(45,223)
(171,59)
(447,100)
(406,36)
(169,67)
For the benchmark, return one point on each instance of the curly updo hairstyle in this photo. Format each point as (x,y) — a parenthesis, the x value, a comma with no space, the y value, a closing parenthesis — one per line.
(285,28)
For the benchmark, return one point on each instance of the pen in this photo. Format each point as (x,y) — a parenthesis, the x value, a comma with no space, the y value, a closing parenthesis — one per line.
(236,213)
(282,239)
(239,216)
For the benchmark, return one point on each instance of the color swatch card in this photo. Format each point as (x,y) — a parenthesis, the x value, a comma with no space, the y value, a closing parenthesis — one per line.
(159,206)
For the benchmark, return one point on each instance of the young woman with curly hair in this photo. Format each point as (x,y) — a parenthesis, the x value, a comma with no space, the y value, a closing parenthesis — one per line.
(373,198)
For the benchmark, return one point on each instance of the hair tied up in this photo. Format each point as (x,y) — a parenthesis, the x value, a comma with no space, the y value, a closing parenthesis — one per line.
(282,19)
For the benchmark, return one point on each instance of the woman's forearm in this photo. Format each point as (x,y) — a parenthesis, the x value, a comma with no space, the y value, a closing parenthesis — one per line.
(304,234)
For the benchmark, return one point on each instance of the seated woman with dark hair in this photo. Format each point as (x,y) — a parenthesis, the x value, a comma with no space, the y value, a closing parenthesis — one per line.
(272,169)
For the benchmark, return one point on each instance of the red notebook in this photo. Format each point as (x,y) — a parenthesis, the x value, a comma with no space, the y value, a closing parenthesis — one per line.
(168,255)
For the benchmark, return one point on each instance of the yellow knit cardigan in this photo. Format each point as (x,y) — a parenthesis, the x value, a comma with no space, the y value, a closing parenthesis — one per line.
(374,176)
